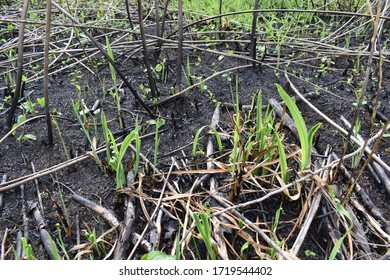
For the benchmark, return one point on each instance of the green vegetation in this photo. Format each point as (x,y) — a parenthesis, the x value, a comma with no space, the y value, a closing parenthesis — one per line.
(305,136)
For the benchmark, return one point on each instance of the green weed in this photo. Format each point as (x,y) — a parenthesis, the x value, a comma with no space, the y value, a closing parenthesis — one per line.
(159,122)
(305,136)
(203,225)
(115,154)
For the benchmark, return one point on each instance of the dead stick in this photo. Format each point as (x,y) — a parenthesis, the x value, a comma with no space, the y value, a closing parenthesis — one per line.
(50,246)
(19,75)
(3,244)
(37,189)
(46,73)
(1,193)
(105,213)
(128,228)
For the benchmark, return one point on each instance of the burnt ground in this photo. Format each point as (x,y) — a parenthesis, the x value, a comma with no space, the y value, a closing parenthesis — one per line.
(183,116)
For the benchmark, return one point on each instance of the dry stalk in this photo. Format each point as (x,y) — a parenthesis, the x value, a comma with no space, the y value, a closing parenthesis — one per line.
(3,249)
(19,83)
(46,74)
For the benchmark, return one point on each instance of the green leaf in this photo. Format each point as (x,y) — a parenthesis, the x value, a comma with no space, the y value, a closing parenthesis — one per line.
(204,227)
(244,248)
(195,143)
(282,159)
(31,137)
(158,68)
(305,137)
(41,101)
(157,255)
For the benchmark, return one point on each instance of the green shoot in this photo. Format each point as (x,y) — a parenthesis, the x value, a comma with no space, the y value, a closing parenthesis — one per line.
(204,227)
(306,137)
(244,248)
(282,159)
(95,243)
(157,256)
(54,121)
(76,108)
(115,156)
(159,122)
(178,245)
(195,145)
(274,226)
(60,241)
(27,248)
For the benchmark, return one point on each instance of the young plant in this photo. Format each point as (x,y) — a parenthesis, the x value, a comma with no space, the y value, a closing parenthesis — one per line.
(95,243)
(27,248)
(195,146)
(203,225)
(159,122)
(274,226)
(285,174)
(305,136)
(60,241)
(55,124)
(115,154)
(23,136)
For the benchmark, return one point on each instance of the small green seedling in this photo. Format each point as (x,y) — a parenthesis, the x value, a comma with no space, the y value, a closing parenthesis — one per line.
(203,225)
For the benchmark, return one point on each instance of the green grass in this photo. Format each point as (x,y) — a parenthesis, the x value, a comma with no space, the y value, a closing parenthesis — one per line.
(305,136)
(203,225)
(115,152)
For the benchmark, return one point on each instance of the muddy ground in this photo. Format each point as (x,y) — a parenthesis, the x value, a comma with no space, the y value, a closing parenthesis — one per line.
(183,116)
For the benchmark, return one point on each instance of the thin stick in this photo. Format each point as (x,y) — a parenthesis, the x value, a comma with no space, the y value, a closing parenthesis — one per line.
(179,45)
(46,73)
(152,82)
(1,193)
(129,18)
(3,244)
(37,190)
(19,75)
(253,34)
